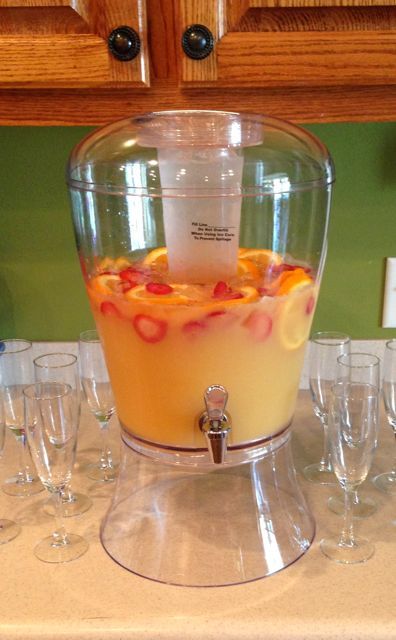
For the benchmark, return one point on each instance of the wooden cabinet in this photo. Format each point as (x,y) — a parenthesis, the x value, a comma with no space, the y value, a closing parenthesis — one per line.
(295,43)
(65,43)
(304,60)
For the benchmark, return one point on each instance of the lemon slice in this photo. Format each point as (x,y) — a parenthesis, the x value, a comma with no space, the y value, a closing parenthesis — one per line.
(106,283)
(261,257)
(177,294)
(122,263)
(294,321)
(157,258)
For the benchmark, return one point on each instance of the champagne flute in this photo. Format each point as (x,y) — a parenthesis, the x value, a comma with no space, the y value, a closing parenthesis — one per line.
(8,528)
(387,481)
(353,367)
(324,349)
(63,367)
(16,372)
(51,430)
(98,393)
(353,432)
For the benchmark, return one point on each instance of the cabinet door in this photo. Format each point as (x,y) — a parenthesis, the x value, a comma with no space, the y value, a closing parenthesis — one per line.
(64,43)
(293,43)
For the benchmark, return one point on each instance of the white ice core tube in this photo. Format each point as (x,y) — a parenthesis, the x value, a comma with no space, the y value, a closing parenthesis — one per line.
(201,230)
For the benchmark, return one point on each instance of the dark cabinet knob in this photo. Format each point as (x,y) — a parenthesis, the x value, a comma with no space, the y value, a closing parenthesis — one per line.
(124,43)
(197,41)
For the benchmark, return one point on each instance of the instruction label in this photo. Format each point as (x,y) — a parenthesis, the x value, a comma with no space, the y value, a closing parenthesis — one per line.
(203,231)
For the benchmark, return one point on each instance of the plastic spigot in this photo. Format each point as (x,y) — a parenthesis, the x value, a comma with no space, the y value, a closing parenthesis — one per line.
(215,422)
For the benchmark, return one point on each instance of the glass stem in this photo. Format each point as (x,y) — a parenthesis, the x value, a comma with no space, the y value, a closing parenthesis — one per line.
(325,461)
(67,494)
(59,535)
(347,538)
(106,458)
(24,469)
(393,472)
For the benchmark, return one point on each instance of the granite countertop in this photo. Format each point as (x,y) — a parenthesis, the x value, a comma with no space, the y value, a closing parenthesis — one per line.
(94,598)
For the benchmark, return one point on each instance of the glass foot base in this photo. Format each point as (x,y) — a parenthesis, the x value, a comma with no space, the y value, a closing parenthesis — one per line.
(102,474)
(23,488)
(363,508)
(77,504)
(386,482)
(319,475)
(361,551)
(48,551)
(8,530)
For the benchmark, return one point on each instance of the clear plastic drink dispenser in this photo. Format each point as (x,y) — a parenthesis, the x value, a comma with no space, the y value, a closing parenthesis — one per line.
(201,237)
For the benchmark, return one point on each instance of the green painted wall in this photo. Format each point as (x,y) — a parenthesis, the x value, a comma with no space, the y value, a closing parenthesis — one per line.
(41,289)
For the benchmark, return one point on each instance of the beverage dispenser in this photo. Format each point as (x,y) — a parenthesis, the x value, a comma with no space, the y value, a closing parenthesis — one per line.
(201,237)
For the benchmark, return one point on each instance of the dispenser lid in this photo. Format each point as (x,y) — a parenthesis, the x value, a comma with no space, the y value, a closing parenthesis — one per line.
(122,158)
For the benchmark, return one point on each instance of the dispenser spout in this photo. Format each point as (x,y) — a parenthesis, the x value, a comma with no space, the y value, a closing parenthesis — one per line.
(215,422)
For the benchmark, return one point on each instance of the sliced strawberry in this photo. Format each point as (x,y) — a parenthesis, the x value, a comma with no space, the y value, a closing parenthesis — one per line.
(280,268)
(217,313)
(310,305)
(109,309)
(265,291)
(193,328)
(220,318)
(127,286)
(130,274)
(221,289)
(150,329)
(158,288)
(259,325)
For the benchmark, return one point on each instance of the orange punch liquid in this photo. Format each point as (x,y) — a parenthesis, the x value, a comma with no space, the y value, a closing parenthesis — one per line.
(166,342)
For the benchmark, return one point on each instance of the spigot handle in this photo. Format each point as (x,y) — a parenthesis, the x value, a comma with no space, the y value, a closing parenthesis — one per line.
(215,423)
(215,398)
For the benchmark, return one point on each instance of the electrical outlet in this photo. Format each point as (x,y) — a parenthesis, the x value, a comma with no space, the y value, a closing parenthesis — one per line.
(389,307)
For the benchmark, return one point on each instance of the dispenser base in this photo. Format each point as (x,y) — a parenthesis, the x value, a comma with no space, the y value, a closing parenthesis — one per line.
(223,526)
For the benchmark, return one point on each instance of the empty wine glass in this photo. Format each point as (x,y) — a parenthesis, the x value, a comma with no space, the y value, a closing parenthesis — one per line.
(97,389)
(51,431)
(354,367)
(387,481)
(16,372)
(324,349)
(353,431)
(8,528)
(63,367)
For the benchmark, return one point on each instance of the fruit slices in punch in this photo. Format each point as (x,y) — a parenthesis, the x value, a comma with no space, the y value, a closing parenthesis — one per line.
(165,343)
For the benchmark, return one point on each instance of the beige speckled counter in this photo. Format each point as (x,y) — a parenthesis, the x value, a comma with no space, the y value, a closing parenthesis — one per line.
(93,598)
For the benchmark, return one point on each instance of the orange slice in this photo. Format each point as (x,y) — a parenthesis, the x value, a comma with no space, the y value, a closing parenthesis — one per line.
(292,281)
(177,295)
(261,257)
(295,318)
(106,283)
(248,268)
(157,258)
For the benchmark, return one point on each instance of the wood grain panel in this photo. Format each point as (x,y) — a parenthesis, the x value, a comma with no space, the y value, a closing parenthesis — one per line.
(307,59)
(96,107)
(41,20)
(318,19)
(60,60)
